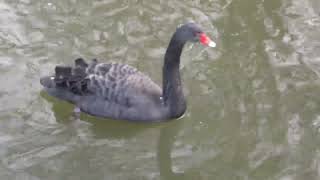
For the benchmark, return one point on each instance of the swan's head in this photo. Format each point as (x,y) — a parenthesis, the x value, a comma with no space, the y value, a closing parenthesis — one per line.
(192,32)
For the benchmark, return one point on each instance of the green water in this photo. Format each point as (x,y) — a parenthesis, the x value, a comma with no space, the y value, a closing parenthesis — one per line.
(253,102)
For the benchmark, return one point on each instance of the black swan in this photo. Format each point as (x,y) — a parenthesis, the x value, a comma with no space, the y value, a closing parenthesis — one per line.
(119,91)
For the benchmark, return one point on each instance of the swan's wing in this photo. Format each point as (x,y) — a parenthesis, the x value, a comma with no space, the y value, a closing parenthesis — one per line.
(121,84)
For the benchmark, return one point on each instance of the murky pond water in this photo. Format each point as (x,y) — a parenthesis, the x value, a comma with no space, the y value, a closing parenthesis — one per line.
(253,102)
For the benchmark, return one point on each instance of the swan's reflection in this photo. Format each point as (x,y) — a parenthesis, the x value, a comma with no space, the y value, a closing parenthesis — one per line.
(166,140)
(115,129)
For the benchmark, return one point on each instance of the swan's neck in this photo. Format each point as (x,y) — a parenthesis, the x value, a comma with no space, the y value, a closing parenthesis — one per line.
(172,89)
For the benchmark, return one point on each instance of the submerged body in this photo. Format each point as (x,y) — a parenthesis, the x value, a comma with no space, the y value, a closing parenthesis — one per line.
(119,91)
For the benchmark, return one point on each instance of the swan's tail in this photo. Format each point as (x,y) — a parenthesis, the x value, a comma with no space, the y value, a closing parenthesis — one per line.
(68,82)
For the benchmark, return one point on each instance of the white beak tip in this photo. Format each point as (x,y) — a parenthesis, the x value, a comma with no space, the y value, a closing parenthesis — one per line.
(212,44)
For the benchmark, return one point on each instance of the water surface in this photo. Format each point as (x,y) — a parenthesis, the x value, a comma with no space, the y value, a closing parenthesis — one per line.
(253,102)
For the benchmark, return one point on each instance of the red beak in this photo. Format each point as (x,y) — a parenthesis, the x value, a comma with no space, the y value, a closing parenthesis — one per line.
(205,40)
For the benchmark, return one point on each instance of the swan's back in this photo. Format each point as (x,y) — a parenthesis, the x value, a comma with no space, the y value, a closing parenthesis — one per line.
(111,90)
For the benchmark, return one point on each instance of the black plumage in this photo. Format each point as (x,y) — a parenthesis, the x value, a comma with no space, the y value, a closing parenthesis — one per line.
(120,91)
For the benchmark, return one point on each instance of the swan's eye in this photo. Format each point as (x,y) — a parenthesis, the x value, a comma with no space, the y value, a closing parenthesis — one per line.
(198,33)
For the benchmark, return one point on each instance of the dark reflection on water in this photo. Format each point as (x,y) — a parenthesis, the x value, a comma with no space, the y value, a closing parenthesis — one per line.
(111,129)
(253,102)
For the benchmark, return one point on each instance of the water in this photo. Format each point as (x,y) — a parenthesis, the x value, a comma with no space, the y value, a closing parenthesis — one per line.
(253,102)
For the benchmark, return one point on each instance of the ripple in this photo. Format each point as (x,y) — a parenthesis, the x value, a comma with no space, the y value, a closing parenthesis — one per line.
(252,102)
(33,157)
(11,30)
(5,62)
